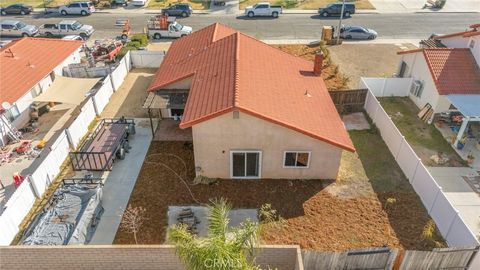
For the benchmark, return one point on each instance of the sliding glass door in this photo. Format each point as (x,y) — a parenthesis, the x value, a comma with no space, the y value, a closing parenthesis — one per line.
(245,164)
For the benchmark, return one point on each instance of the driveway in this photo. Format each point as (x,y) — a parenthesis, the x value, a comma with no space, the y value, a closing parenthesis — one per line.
(459,193)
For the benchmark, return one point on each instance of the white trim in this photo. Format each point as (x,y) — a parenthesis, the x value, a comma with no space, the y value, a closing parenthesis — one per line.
(244,152)
(297,152)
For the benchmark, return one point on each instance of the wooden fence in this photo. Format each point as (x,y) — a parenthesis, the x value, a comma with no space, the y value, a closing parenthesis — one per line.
(386,258)
(348,101)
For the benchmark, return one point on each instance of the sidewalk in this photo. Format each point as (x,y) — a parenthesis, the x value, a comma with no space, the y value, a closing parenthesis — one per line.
(381,7)
(119,184)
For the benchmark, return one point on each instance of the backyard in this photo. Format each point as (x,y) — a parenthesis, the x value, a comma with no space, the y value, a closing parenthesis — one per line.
(370,204)
(307,4)
(425,139)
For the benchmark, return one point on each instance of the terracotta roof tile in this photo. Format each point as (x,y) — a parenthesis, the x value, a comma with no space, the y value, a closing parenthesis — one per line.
(24,62)
(453,70)
(232,71)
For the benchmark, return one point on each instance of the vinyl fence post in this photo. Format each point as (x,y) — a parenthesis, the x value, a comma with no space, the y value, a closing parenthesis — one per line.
(33,188)
(450,227)
(419,161)
(435,200)
(383,87)
(400,147)
(95,108)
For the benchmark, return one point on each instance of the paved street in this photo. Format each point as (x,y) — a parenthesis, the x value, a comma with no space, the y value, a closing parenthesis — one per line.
(288,26)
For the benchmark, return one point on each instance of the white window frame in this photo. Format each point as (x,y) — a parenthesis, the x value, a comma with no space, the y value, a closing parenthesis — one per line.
(296,156)
(245,152)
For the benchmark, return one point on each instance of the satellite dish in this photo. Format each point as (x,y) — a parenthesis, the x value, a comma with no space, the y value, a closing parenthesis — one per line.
(6,105)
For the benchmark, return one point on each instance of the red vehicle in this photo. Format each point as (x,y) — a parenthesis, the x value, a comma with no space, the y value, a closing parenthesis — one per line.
(106,52)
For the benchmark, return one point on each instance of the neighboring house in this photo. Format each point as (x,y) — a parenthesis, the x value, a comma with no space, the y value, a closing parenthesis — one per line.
(27,68)
(468,39)
(255,111)
(438,72)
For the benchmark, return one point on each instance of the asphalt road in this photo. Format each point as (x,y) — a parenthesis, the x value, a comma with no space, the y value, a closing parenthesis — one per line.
(288,26)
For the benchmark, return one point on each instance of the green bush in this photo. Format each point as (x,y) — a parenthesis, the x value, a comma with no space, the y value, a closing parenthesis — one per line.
(134,44)
(124,51)
(142,39)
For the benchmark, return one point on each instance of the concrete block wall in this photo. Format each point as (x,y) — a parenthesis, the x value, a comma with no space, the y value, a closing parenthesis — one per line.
(126,257)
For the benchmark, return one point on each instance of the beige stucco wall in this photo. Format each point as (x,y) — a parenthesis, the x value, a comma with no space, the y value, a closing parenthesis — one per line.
(417,68)
(214,139)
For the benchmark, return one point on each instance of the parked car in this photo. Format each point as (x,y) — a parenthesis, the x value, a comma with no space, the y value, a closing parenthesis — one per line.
(17,9)
(17,28)
(80,8)
(263,9)
(65,28)
(139,3)
(357,32)
(73,37)
(336,8)
(182,9)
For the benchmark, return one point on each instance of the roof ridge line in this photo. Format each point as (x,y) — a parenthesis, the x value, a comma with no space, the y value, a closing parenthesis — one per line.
(215,28)
(236,67)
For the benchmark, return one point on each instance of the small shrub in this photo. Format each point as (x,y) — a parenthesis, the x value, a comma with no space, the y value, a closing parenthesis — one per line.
(142,39)
(267,214)
(429,230)
(134,44)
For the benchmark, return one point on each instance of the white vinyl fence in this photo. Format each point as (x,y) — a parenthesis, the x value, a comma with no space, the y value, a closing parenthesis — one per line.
(448,221)
(386,87)
(147,59)
(21,202)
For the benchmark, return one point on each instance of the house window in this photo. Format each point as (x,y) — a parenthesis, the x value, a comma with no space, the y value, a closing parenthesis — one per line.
(296,159)
(245,164)
(12,113)
(472,44)
(417,88)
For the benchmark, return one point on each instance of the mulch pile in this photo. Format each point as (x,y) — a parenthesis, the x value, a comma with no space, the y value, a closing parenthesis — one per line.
(314,218)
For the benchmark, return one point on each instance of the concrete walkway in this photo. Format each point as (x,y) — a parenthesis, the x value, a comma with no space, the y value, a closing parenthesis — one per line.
(459,193)
(119,184)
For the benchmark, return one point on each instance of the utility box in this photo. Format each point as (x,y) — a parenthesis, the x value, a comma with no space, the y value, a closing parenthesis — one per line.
(327,33)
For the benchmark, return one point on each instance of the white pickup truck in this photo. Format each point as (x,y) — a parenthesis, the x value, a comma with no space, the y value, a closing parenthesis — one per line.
(166,27)
(263,9)
(67,27)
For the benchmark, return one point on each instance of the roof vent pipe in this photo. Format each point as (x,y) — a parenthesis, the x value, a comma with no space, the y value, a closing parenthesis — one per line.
(318,62)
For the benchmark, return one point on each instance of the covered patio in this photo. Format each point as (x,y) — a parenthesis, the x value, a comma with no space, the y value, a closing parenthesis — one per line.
(163,105)
(462,127)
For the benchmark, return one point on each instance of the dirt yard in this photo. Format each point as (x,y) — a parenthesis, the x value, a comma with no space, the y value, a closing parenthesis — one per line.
(370,204)
(129,98)
(330,73)
(374,60)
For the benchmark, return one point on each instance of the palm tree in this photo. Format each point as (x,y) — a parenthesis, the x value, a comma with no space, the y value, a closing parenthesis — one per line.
(223,248)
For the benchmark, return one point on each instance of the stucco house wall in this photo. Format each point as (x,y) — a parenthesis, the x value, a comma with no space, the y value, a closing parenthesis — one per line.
(418,69)
(455,42)
(215,138)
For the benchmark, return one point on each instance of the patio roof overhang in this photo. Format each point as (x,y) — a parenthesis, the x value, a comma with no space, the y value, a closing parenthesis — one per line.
(166,100)
(68,90)
(467,105)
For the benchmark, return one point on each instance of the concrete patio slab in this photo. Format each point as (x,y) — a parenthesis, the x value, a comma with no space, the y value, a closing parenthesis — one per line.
(355,121)
(236,216)
(168,130)
(119,184)
(459,193)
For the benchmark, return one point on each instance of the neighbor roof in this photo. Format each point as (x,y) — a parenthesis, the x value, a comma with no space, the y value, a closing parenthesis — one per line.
(234,72)
(24,62)
(453,70)
(468,33)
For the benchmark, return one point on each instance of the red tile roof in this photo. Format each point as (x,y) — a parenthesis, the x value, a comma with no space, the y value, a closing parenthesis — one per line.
(24,62)
(468,33)
(453,70)
(234,72)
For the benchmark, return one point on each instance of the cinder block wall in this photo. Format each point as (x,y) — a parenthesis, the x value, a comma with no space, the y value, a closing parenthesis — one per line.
(126,257)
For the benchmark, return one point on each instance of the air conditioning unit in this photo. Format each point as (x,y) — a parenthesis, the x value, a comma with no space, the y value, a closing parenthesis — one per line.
(417,88)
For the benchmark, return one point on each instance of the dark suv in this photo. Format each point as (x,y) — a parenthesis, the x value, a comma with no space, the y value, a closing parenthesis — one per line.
(184,10)
(336,9)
